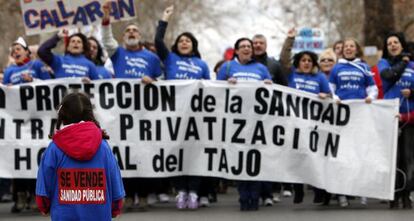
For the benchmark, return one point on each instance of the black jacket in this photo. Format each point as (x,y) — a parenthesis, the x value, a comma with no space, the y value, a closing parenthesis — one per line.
(274,68)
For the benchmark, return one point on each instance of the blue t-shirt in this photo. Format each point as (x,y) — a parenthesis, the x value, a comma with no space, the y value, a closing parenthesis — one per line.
(79,190)
(35,68)
(393,90)
(73,66)
(252,71)
(351,79)
(103,73)
(135,64)
(177,67)
(313,83)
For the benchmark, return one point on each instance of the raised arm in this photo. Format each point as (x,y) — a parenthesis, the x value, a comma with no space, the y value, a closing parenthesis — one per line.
(45,50)
(162,49)
(108,39)
(286,52)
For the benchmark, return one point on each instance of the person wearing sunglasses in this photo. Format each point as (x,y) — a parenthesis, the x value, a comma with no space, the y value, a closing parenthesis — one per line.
(327,60)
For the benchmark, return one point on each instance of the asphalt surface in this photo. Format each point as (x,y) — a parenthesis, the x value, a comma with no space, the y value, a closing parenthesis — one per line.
(227,208)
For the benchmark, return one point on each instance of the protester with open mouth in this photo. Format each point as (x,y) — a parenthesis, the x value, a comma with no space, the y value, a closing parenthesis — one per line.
(74,62)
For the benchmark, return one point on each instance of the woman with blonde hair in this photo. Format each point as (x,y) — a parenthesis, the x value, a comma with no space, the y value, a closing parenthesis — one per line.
(327,60)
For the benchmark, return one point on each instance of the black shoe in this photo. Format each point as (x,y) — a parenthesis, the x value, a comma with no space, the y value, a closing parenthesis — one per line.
(406,202)
(244,205)
(326,199)
(298,197)
(254,204)
(15,210)
(318,199)
(394,204)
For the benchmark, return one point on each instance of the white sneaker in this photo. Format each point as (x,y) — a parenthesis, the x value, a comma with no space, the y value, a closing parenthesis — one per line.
(343,202)
(276,198)
(164,198)
(151,199)
(204,202)
(268,202)
(364,201)
(7,197)
(181,200)
(287,193)
(192,202)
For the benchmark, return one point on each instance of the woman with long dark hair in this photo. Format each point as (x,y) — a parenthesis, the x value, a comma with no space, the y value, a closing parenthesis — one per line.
(397,74)
(181,63)
(96,55)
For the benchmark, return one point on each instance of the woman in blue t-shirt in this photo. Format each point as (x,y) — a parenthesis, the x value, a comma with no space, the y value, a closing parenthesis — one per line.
(184,59)
(74,63)
(24,68)
(397,75)
(244,68)
(183,62)
(96,55)
(351,78)
(303,75)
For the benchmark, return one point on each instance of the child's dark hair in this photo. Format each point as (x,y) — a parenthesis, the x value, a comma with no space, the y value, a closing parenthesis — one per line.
(74,108)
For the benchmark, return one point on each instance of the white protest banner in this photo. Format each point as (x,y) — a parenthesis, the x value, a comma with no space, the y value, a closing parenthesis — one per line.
(247,131)
(41,16)
(309,39)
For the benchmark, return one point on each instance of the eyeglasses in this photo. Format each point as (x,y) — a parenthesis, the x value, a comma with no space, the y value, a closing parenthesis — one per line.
(245,46)
(327,60)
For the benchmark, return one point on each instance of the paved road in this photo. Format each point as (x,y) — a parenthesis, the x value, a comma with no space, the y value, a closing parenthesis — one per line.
(227,209)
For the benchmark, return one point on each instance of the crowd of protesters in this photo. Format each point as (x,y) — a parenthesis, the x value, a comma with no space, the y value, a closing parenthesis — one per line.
(327,75)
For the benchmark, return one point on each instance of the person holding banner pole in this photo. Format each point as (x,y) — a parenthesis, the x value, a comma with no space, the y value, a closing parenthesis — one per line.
(181,63)
(304,76)
(23,70)
(351,78)
(244,68)
(397,74)
(74,62)
(132,60)
(79,177)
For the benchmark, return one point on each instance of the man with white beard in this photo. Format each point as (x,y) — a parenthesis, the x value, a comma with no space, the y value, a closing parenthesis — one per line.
(132,60)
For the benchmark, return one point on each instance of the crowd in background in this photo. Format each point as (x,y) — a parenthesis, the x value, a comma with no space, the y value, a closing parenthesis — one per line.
(338,73)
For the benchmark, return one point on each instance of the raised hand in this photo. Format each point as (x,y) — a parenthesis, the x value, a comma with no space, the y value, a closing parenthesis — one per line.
(106,8)
(167,13)
(292,33)
(63,33)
